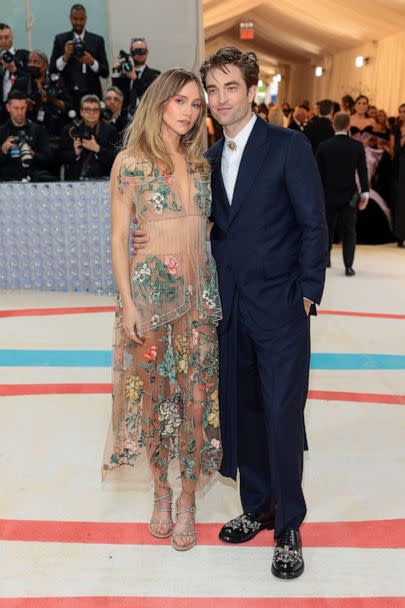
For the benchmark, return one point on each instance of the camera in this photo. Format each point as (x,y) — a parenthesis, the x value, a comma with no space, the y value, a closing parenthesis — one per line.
(52,85)
(82,131)
(106,113)
(124,64)
(21,149)
(79,129)
(6,56)
(78,48)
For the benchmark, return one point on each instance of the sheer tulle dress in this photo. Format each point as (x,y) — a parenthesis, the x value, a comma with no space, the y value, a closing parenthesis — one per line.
(165,392)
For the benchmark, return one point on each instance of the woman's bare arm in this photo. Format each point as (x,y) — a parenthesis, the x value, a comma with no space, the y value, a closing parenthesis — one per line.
(121,210)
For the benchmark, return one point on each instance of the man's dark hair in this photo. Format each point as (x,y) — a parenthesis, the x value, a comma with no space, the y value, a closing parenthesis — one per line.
(4,26)
(247,62)
(348,100)
(89,99)
(341,121)
(362,97)
(16,94)
(77,7)
(116,90)
(325,107)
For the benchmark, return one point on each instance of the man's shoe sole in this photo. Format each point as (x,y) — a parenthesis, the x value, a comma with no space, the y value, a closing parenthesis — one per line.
(289,576)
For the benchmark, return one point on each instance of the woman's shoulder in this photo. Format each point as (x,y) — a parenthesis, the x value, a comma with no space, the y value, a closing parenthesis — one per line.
(134,164)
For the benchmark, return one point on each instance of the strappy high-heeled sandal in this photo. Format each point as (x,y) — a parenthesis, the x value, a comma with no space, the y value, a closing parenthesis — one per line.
(180,509)
(166,499)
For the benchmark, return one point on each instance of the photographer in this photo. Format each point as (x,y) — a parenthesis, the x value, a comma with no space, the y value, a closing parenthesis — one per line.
(49,100)
(112,113)
(24,148)
(12,64)
(131,74)
(80,56)
(88,146)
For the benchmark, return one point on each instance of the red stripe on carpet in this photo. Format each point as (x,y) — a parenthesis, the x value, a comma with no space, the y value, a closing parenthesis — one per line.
(202,602)
(11,390)
(44,312)
(370,315)
(357,397)
(79,310)
(378,534)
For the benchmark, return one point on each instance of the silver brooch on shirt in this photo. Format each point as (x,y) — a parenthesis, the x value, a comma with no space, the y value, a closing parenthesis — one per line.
(231,144)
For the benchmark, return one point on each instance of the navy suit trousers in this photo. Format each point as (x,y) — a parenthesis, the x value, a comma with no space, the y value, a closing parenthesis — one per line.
(272,385)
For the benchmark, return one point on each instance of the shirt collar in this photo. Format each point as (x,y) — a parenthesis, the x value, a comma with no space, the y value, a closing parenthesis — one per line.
(241,138)
(82,35)
(140,69)
(341,133)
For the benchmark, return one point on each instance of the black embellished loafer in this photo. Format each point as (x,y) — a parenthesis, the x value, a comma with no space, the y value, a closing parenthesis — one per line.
(288,561)
(246,526)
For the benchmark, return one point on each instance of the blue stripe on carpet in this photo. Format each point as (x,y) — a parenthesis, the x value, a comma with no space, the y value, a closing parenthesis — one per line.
(103,358)
(55,358)
(350,361)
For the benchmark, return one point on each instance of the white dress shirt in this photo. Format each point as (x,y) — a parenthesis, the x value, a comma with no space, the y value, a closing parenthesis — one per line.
(231,158)
(140,70)
(8,79)
(61,63)
(365,195)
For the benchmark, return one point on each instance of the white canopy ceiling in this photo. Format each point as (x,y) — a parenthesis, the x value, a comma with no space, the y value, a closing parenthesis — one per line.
(297,31)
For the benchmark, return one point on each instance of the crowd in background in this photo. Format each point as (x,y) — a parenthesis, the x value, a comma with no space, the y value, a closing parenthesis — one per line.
(383,137)
(56,123)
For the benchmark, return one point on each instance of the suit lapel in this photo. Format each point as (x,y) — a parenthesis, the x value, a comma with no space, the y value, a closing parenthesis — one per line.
(220,199)
(253,156)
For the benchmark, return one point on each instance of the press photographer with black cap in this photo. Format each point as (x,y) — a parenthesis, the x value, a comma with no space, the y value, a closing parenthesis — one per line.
(80,57)
(132,74)
(24,147)
(89,145)
(49,99)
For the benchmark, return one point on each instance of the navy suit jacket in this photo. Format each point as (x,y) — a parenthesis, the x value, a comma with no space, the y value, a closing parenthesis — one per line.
(271,244)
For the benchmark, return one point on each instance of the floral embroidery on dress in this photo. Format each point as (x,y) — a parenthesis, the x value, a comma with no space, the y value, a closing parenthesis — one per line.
(167,388)
(202,197)
(155,280)
(210,302)
(162,197)
(172,264)
(213,416)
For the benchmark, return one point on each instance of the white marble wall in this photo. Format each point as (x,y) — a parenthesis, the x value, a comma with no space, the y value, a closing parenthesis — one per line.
(173,30)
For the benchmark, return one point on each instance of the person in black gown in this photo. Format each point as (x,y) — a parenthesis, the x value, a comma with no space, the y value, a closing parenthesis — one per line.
(399,183)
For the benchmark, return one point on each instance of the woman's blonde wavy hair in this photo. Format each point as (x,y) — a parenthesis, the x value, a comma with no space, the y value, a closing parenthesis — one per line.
(144,134)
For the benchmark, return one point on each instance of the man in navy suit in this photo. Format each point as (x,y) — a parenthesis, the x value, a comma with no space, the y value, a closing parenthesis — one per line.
(80,57)
(270,243)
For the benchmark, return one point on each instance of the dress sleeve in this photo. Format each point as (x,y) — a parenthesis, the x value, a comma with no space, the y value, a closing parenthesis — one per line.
(126,177)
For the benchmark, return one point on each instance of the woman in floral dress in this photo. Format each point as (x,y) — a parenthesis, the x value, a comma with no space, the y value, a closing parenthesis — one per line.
(165,374)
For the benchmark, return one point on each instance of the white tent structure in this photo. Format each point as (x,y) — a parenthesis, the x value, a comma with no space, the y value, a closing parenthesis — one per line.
(294,36)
